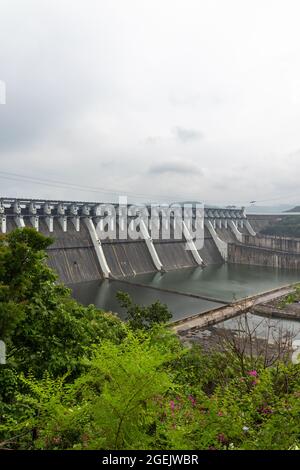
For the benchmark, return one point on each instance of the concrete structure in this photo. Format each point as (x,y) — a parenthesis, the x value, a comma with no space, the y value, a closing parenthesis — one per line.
(88,245)
(149,242)
(220,244)
(258,256)
(97,245)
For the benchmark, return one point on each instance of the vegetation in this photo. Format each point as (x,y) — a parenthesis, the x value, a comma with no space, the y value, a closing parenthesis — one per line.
(290,298)
(78,378)
(287,227)
(143,317)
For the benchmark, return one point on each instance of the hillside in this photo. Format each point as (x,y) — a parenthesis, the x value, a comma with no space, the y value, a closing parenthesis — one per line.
(294,209)
(287,227)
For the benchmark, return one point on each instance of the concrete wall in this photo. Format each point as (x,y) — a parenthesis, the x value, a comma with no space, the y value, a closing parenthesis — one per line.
(128,258)
(209,253)
(80,254)
(72,254)
(290,245)
(173,255)
(251,255)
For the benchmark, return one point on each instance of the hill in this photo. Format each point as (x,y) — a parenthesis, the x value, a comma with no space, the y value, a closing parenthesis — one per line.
(295,209)
(287,227)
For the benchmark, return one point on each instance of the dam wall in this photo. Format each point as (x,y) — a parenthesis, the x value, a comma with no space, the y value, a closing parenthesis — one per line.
(258,256)
(128,258)
(86,247)
(291,245)
(173,255)
(210,253)
(71,254)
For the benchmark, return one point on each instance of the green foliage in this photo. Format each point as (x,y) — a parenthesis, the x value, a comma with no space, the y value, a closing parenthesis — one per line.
(138,394)
(39,321)
(290,298)
(112,405)
(287,227)
(143,317)
(133,375)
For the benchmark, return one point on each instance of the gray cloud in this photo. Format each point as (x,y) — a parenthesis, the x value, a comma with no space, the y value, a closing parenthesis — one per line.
(93,97)
(187,135)
(153,140)
(185,168)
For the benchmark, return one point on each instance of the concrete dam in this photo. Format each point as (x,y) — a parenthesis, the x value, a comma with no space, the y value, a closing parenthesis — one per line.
(194,272)
(83,250)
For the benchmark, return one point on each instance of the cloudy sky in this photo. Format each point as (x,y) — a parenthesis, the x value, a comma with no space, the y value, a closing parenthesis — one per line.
(157,99)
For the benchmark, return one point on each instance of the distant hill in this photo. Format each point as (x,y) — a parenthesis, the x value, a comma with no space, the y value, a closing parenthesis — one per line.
(274,209)
(295,209)
(287,227)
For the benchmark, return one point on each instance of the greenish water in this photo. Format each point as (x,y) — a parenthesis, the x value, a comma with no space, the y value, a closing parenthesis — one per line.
(103,295)
(224,282)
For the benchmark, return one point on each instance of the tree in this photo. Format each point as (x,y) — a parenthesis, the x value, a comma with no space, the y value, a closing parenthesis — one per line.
(112,405)
(143,317)
(39,321)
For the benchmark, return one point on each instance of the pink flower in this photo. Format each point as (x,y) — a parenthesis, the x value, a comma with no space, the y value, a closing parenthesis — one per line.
(253,373)
(265,410)
(172,405)
(192,400)
(220,413)
(222,438)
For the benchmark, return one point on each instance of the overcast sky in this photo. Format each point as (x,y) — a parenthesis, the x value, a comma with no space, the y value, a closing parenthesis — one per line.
(189,99)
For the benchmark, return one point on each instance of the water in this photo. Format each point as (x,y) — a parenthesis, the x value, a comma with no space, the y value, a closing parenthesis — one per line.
(224,282)
(260,325)
(227,282)
(103,295)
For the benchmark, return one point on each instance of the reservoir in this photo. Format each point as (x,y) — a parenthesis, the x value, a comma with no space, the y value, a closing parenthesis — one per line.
(219,284)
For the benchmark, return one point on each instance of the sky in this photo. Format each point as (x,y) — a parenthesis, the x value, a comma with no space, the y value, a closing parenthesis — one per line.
(155,99)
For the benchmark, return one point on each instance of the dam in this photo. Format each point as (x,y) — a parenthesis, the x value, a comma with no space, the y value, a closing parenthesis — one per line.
(228,261)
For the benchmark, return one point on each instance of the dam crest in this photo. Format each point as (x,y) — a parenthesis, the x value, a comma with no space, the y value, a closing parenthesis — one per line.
(89,245)
(84,248)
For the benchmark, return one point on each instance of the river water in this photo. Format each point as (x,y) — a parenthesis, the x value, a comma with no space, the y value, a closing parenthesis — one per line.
(226,282)
(260,325)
